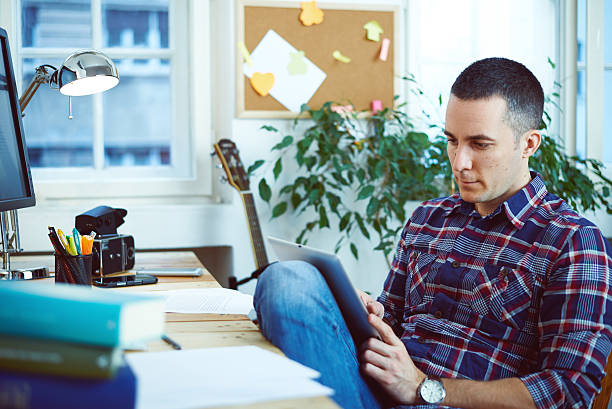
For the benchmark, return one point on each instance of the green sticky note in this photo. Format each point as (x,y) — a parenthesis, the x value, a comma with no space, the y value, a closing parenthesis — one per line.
(297,65)
(373,30)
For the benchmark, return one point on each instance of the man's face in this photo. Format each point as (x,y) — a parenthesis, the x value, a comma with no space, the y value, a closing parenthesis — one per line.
(487,162)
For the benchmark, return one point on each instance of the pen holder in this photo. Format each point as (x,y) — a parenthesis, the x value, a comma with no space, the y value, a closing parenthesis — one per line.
(73,269)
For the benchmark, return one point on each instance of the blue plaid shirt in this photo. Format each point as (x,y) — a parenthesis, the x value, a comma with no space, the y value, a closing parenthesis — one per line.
(523,292)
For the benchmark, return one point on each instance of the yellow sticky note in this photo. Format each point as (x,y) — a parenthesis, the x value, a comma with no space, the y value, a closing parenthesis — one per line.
(262,83)
(246,56)
(342,58)
(373,30)
(311,14)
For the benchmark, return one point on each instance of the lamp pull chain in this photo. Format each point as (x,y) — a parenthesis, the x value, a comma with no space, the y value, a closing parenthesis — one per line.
(69,107)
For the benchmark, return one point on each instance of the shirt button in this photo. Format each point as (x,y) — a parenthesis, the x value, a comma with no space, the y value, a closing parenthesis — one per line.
(455,264)
(438,314)
(504,272)
(421,340)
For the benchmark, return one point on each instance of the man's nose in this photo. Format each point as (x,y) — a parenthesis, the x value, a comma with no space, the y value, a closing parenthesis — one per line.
(462,159)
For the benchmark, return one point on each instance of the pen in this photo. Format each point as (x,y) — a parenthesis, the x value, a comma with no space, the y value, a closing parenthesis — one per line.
(71,248)
(77,241)
(62,238)
(86,244)
(171,342)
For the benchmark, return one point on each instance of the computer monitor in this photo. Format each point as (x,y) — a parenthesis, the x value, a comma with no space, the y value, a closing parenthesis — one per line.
(16,190)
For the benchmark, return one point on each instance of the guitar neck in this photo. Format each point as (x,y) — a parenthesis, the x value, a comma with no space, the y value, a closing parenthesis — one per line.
(259,250)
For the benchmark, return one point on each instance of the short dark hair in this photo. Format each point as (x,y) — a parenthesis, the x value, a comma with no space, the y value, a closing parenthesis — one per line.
(510,80)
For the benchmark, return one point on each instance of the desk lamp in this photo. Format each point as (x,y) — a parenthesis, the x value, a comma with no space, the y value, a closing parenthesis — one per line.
(82,73)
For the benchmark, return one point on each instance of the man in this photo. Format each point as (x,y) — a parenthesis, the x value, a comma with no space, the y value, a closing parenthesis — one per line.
(498,296)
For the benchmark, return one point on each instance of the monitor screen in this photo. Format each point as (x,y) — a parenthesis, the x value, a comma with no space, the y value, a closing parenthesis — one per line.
(15,179)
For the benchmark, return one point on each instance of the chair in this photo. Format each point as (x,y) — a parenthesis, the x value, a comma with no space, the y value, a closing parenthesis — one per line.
(601,400)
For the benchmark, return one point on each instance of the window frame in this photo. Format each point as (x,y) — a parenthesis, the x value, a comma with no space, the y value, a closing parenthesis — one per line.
(190,95)
(593,67)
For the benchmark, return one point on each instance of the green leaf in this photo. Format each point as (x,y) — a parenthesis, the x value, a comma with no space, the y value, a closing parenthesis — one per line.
(287,140)
(323,221)
(365,192)
(264,190)
(279,209)
(354,251)
(278,168)
(296,199)
(372,207)
(605,191)
(344,221)
(255,166)
(361,225)
(269,128)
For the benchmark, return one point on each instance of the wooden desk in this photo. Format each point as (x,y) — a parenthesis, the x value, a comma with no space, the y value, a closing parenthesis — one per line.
(196,330)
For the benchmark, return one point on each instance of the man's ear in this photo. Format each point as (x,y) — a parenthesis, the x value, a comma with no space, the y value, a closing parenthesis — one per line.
(531,142)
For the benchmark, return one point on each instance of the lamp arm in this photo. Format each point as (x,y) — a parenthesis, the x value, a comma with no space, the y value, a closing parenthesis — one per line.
(41,76)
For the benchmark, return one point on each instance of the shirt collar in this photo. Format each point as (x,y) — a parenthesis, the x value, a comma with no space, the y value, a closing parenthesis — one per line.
(517,208)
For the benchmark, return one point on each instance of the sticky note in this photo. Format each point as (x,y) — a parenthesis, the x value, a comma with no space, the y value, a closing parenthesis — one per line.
(262,83)
(376,106)
(245,53)
(338,56)
(297,65)
(384,49)
(373,30)
(311,14)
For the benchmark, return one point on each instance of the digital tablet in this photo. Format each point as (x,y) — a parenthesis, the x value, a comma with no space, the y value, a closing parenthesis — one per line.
(352,308)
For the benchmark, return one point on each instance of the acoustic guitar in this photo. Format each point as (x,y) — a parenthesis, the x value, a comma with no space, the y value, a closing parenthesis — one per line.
(237,177)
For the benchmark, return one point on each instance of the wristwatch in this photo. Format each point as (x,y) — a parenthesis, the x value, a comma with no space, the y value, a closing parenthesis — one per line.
(432,391)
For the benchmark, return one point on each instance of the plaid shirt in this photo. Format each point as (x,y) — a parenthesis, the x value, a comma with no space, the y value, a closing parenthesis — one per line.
(523,292)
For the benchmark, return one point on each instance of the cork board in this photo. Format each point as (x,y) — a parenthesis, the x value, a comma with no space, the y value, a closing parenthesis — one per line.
(364,79)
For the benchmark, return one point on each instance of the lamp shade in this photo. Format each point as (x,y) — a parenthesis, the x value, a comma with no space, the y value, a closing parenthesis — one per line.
(87,72)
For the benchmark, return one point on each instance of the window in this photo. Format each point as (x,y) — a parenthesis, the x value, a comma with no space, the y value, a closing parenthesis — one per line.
(446,36)
(141,130)
(593,99)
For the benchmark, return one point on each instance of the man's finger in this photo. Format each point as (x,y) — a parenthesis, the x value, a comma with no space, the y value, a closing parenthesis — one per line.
(376,308)
(385,331)
(375,358)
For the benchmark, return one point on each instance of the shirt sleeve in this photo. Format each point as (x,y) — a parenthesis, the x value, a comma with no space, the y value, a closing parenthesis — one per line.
(393,293)
(575,330)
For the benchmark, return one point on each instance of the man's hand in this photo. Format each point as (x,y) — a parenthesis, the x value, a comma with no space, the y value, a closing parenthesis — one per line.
(373,306)
(388,363)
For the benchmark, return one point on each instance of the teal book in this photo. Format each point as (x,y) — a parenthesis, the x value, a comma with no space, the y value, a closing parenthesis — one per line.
(72,313)
(47,356)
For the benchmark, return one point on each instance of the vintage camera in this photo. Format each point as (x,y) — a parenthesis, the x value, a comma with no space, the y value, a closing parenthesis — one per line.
(112,252)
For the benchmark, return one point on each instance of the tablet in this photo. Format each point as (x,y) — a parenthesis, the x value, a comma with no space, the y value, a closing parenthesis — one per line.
(354,312)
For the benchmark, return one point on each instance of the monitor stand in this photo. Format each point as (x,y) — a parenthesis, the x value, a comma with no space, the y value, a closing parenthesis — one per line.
(10,244)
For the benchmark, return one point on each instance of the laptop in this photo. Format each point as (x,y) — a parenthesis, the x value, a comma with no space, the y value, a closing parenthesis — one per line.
(354,312)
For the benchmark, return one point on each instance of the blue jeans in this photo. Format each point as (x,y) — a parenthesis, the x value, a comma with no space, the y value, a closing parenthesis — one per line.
(298,314)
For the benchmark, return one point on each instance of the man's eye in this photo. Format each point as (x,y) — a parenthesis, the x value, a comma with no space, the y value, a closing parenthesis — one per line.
(452,141)
(482,145)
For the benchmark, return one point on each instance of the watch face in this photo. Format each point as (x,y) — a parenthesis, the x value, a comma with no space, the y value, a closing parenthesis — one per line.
(432,391)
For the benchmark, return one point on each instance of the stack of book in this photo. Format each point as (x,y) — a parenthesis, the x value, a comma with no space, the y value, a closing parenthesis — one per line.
(61,345)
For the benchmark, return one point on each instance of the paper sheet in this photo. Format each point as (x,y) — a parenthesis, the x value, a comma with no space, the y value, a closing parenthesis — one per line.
(208,300)
(219,376)
(273,55)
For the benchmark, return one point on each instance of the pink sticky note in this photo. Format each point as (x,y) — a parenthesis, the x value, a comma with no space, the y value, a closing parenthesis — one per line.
(376,105)
(384,49)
